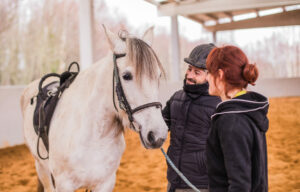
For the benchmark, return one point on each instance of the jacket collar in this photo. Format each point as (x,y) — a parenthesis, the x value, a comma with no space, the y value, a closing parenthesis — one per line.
(194,91)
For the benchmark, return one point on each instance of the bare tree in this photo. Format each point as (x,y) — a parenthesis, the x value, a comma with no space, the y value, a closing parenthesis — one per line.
(39,37)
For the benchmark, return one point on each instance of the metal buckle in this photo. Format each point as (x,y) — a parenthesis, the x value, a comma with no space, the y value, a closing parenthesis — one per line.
(51,93)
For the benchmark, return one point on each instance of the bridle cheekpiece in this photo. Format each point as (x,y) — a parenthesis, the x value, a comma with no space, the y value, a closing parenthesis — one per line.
(123,103)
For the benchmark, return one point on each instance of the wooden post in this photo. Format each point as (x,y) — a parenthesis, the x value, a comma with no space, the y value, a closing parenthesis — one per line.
(175,61)
(86,32)
(214,33)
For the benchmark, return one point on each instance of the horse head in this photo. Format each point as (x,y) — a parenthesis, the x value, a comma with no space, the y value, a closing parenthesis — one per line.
(137,74)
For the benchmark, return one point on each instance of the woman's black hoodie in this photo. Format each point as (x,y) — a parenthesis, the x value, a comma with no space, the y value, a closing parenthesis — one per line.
(236,146)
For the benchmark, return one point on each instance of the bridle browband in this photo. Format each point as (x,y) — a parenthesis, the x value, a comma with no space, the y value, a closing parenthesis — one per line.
(123,103)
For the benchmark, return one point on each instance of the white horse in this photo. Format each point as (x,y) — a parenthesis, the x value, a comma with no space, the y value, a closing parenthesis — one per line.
(86,139)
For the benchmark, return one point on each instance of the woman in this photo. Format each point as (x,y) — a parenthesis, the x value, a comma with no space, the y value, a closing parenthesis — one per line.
(236,146)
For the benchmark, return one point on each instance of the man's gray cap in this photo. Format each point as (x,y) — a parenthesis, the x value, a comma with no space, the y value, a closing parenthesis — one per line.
(199,54)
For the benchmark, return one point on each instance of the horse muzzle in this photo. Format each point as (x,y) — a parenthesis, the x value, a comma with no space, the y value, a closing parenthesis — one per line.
(151,141)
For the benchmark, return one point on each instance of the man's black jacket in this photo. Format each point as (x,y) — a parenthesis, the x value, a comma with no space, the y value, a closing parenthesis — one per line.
(236,147)
(187,115)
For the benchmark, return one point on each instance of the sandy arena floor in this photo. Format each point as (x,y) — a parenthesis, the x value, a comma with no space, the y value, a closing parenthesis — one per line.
(143,170)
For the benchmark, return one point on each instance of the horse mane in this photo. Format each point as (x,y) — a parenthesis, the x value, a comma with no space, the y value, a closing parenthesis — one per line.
(142,56)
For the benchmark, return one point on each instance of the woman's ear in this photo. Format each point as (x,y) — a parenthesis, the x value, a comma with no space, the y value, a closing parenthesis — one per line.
(219,81)
(221,74)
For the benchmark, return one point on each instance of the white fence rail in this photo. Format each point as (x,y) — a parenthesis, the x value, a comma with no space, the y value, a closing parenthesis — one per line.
(11,119)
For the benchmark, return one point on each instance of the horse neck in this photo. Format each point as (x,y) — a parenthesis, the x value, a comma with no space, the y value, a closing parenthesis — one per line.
(94,86)
(96,81)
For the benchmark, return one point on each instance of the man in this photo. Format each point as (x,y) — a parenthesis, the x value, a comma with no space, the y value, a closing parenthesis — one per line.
(187,115)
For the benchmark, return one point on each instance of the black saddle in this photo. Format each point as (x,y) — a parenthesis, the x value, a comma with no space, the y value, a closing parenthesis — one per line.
(46,101)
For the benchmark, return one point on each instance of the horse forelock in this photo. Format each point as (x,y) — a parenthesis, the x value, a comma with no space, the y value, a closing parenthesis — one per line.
(143,59)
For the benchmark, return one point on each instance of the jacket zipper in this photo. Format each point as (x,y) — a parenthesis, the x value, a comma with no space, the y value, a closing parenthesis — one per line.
(182,138)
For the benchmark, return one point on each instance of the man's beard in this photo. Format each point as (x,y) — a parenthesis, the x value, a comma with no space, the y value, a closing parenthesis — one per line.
(189,79)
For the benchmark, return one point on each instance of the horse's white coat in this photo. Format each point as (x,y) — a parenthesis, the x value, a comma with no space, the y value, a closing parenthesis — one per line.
(85,140)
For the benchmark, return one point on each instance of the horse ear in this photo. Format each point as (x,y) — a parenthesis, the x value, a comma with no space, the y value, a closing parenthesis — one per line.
(148,35)
(111,38)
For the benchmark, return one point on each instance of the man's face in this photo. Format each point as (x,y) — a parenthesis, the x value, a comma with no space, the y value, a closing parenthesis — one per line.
(195,75)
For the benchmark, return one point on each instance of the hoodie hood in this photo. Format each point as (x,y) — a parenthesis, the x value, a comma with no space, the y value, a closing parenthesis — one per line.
(253,104)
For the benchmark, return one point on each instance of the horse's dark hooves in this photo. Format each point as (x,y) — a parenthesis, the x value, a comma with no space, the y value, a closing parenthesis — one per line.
(40,187)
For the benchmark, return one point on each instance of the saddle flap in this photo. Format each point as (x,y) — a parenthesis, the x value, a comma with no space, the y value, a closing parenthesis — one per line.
(47,99)
(45,106)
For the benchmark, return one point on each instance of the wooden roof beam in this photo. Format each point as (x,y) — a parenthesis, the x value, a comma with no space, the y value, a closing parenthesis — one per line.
(257,12)
(212,16)
(229,15)
(153,2)
(192,17)
(211,6)
(283,8)
(275,20)
(173,1)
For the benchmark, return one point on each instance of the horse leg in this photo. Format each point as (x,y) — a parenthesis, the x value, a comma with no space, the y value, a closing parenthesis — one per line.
(44,179)
(40,187)
(63,183)
(107,186)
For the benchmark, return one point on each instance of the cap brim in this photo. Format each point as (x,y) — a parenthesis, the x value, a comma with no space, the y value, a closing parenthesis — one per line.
(198,65)
(187,60)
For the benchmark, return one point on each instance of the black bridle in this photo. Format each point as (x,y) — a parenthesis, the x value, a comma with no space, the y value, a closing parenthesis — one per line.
(123,103)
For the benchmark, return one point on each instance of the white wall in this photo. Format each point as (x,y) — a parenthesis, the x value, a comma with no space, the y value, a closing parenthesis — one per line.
(10,116)
(284,87)
(11,120)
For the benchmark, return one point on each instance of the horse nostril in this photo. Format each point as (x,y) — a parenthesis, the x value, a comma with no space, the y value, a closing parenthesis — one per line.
(159,142)
(150,137)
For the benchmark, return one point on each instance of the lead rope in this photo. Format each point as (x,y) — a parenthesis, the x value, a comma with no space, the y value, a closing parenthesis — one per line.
(178,172)
(115,73)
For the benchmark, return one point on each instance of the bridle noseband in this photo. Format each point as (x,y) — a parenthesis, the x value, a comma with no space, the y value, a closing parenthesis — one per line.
(123,103)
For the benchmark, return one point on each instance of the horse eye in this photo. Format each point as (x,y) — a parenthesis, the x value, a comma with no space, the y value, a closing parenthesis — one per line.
(127,76)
